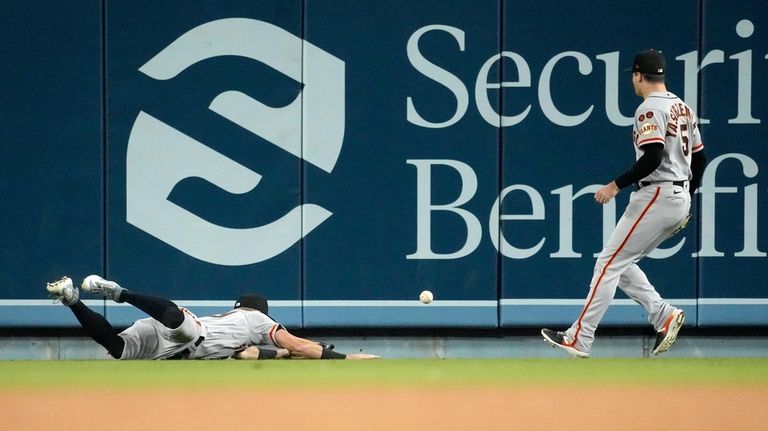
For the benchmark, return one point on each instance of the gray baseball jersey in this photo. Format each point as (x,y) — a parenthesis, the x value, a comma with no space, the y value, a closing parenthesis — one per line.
(655,211)
(223,335)
(666,119)
(227,333)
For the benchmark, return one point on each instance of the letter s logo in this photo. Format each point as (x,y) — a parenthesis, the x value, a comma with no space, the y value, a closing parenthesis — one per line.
(150,177)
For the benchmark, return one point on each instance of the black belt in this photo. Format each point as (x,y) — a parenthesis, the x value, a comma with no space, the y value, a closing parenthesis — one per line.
(642,184)
(184,354)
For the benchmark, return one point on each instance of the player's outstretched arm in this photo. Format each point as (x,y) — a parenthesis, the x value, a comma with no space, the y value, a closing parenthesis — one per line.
(307,349)
(315,351)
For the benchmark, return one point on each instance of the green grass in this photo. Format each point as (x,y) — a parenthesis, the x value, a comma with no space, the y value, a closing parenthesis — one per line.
(391,372)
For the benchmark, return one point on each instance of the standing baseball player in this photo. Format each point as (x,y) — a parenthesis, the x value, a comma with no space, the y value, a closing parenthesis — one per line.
(172,332)
(668,169)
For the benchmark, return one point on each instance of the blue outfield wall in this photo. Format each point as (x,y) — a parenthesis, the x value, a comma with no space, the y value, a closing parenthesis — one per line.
(341,157)
(52,163)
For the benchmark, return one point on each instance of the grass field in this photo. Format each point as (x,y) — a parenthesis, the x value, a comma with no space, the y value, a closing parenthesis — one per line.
(389,394)
(392,372)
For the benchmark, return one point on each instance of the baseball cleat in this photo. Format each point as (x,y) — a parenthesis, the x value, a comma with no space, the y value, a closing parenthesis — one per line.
(63,291)
(667,335)
(557,339)
(99,286)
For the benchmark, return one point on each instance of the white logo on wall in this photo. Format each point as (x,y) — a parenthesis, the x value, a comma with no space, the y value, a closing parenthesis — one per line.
(160,156)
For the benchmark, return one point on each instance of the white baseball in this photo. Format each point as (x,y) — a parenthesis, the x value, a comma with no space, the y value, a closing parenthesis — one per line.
(426,297)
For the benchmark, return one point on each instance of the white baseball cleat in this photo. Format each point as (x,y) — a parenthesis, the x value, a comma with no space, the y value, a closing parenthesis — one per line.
(99,286)
(557,339)
(63,291)
(667,335)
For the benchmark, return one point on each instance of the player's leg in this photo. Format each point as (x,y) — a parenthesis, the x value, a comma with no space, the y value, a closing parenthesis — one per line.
(94,324)
(635,231)
(665,318)
(149,339)
(609,266)
(99,329)
(161,309)
(581,334)
(647,221)
(636,285)
(674,205)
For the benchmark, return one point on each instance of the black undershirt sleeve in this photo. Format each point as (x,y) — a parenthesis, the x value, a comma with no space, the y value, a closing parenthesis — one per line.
(647,163)
(698,162)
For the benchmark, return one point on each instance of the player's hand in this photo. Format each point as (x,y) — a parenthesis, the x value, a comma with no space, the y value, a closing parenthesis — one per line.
(606,193)
(362,356)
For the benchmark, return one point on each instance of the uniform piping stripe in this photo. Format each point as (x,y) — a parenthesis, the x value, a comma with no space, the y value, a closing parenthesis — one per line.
(698,147)
(654,139)
(191,316)
(607,265)
(272,335)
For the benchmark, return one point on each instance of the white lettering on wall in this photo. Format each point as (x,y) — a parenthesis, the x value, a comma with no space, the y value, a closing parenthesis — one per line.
(425,208)
(537,213)
(709,192)
(482,86)
(437,74)
(565,213)
(545,90)
(612,62)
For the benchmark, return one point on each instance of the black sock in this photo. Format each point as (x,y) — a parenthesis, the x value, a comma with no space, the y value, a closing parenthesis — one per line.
(160,309)
(99,329)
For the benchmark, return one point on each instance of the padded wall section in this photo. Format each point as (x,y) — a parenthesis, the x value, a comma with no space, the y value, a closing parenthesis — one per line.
(570,132)
(52,156)
(734,196)
(340,157)
(417,172)
(203,189)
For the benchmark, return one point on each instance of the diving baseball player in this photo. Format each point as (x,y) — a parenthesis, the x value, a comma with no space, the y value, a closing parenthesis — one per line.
(668,169)
(172,332)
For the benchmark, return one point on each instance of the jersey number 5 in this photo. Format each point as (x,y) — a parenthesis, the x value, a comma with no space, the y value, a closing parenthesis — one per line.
(686,140)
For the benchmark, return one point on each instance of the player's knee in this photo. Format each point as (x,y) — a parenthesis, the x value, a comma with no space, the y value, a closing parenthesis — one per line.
(116,348)
(173,317)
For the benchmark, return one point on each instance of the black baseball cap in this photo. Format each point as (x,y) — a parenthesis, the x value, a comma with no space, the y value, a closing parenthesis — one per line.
(253,300)
(649,62)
